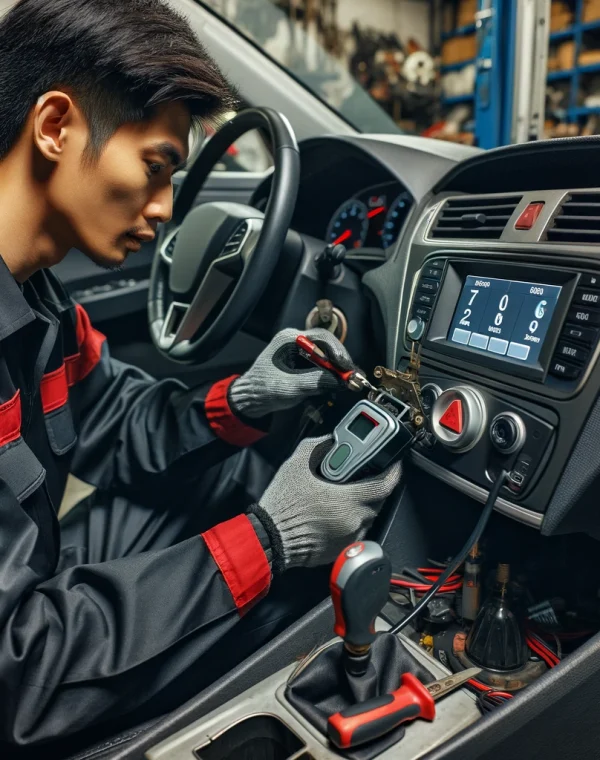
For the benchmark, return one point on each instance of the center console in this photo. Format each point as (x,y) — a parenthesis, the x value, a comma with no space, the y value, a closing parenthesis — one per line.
(262,723)
(508,343)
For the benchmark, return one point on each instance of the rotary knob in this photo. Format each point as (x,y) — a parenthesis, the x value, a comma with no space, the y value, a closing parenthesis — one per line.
(415,328)
(507,432)
(458,418)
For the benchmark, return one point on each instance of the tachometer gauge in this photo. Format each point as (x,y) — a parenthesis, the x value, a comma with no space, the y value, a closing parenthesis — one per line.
(349,225)
(395,219)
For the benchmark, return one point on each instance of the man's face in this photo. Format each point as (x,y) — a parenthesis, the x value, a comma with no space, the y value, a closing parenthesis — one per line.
(115,202)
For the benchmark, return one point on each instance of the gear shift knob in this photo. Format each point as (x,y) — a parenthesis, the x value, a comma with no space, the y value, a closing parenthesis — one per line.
(359,584)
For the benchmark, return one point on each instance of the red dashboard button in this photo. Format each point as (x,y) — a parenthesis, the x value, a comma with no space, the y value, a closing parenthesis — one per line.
(529,217)
(452,418)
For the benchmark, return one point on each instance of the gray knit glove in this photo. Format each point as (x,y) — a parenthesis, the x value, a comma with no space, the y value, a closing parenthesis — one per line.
(308,519)
(280,378)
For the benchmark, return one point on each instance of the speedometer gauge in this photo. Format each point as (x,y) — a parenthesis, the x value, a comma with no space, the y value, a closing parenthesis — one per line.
(349,225)
(394,221)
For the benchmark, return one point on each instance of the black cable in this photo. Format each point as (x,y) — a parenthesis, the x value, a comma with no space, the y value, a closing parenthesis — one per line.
(461,556)
(488,701)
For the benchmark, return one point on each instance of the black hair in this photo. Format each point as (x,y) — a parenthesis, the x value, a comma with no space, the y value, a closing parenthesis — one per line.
(119,59)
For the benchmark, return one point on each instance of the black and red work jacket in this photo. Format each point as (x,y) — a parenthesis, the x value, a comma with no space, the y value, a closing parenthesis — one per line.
(80,644)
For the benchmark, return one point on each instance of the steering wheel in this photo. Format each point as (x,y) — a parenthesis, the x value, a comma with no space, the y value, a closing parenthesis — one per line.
(213,261)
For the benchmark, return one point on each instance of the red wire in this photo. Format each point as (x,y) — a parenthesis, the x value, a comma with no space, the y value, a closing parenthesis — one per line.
(421,587)
(546,654)
(537,649)
(531,638)
(478,685)
(488,689)
(454,582)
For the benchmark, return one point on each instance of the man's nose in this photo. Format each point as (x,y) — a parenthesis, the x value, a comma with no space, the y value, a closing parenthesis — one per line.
(160,208)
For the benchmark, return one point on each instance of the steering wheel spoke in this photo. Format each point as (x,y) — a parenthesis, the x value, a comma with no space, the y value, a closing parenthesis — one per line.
(168,246)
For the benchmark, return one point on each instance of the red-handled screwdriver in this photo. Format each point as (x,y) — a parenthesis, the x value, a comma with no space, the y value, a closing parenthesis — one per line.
(369,720)
(353,378)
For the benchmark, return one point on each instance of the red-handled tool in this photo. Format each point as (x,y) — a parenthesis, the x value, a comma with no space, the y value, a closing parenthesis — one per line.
(353,378)
(359,584)
(369,720)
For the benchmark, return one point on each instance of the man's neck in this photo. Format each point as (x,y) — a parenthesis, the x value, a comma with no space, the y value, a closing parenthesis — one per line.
(29,238)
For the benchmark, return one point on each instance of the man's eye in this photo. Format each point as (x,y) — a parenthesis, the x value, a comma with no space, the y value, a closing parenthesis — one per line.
(154,168)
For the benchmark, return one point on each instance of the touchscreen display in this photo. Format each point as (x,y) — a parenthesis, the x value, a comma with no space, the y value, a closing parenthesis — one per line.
(504,318)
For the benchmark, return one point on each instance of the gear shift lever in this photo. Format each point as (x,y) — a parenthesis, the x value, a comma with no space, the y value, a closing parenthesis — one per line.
(359,584)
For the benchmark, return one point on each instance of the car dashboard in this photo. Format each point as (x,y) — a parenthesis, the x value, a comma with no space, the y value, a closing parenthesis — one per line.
(485,265)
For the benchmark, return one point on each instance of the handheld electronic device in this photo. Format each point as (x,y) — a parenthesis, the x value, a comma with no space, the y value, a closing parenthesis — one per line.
(367,439)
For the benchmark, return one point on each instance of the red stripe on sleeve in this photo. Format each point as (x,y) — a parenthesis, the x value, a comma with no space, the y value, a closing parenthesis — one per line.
(54,390)
(90,343)
(239,556)
(10,420)
(223,421)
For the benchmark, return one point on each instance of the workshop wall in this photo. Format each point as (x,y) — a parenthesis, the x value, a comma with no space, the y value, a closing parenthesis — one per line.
(406,18)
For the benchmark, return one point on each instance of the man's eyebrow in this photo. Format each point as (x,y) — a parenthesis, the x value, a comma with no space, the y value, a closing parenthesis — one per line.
(170,152)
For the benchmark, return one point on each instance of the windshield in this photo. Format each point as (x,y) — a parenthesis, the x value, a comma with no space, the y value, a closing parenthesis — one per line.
(301,47)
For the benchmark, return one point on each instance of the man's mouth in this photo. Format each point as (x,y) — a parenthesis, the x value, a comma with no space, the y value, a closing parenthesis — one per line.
(138,240)
(133,242)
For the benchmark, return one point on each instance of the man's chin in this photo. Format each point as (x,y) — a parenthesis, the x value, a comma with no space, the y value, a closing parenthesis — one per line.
(113,261)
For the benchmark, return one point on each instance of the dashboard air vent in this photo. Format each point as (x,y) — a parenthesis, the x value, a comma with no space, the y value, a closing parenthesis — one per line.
(475,218)
(578,220)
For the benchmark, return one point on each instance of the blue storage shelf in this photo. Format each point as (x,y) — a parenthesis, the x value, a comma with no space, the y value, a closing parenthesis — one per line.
(590,26)
(554,75)
(582,111)
(564,34)
(456,66)
(593,68)
(573,76)
(460,31)
(456,99)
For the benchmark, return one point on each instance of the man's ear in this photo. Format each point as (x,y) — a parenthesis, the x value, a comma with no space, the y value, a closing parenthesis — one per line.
(52,115)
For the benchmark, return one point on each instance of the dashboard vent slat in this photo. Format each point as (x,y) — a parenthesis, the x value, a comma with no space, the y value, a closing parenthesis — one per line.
(474,218)
(578,220)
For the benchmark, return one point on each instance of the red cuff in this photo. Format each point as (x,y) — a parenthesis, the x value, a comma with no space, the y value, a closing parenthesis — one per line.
(223,421)
(241,559)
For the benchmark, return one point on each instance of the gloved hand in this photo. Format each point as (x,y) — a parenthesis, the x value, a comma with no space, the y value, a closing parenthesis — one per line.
(280,378)
(308,519)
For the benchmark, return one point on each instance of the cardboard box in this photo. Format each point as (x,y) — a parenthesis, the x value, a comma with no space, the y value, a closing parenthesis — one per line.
(591,11)
(459,49)
(588,57)
(559,7)
(561,21)
(466,12)
(565,55)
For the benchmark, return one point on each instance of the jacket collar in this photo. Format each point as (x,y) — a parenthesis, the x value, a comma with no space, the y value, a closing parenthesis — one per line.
(15,312)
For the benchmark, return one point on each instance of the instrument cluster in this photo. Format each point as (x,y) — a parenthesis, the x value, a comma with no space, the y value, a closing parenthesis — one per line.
(371,218)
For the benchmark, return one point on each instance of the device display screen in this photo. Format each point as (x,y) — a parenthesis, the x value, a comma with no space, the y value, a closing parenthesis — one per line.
(504,318)
(362,425)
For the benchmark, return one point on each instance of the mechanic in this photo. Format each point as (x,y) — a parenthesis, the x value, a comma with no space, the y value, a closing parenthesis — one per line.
(105,611)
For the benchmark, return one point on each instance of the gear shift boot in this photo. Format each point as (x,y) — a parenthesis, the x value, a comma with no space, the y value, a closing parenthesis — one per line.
(324,687)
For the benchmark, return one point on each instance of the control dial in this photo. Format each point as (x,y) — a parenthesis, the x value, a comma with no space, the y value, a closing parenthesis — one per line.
(429,393)
(415,328)
(507,432)
(458,418)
